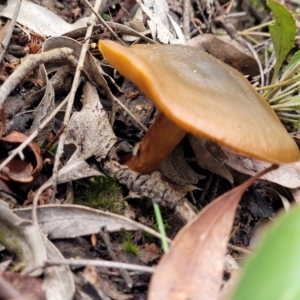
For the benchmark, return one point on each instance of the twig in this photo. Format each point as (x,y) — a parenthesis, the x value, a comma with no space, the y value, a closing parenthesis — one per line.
(29,63)
(202,14)
(112,254)
(7,38)
(96,263)
(55,138)
(239,249)
(102,21)
(75,85)
(37,195)
(130,114)
(186,19)
(129,31)
(229,7)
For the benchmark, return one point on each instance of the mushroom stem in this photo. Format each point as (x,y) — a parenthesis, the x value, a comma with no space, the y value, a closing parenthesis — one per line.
(159,141)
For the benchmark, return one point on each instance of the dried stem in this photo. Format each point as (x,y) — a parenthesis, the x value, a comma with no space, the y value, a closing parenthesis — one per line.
(29,63)
(75,85)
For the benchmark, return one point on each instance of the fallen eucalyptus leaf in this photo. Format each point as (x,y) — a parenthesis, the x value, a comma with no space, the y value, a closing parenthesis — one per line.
(194,265)
(40,20)
(17,170)
(68,221)
(296,195)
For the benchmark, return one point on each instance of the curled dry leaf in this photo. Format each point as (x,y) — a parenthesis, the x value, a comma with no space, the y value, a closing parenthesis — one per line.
(27,287)
(18,170)
(194,265)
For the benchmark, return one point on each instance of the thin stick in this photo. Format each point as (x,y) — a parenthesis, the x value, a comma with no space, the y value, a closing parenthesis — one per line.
(228,9)
(55,138)
(130,114)
(75,85)
(124,273)
(102,21)
(96,263)
(29,63)
(239,249)
(186,19)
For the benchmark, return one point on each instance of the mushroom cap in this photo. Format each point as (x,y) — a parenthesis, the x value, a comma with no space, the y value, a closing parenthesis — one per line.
(205,97)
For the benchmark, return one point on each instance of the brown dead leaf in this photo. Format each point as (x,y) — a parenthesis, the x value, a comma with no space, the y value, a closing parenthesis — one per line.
(27,286)
(195,262)
(18,170)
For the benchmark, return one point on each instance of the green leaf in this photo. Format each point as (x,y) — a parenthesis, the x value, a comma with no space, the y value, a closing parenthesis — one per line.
(273,272)
(283,33)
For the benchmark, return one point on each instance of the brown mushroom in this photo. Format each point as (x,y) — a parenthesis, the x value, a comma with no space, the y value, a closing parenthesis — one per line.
(199,94)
